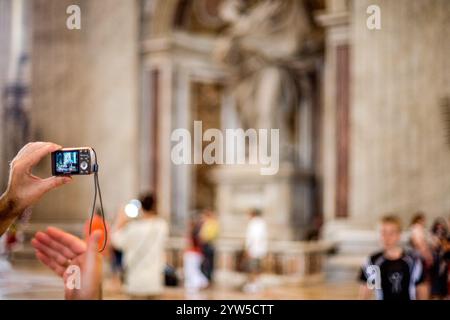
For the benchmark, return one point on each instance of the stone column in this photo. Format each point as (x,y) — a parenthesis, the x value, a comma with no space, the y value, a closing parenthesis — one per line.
(85,85)
(401,73)
(398,159)
(336,21)
(5,38)
(14,85)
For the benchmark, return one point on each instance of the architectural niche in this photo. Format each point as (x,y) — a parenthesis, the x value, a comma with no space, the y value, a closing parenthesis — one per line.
(187,53)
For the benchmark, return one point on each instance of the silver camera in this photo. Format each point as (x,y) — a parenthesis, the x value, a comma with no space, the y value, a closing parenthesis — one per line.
(74,161)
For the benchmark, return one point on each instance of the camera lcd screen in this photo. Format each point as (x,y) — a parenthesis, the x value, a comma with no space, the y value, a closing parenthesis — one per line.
(66,162)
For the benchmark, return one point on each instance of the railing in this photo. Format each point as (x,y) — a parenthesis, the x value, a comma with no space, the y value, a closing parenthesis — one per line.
(296,259)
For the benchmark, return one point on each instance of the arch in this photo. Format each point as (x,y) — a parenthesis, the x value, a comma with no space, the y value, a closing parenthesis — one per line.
(162,18)
(192,16)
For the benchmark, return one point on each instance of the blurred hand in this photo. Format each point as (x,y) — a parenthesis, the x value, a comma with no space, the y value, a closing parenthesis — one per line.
(24,189)
(58,250)
(121,219)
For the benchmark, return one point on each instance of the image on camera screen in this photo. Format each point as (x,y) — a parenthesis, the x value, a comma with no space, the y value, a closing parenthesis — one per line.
(67,162)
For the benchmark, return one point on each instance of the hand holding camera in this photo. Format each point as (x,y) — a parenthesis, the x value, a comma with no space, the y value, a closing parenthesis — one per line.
(25,189)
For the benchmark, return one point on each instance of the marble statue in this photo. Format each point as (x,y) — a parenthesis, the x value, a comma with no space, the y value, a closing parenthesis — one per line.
(258,47)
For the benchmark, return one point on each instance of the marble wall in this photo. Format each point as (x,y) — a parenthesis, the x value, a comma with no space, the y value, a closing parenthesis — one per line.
(85,93)
(399,161)
(5,35)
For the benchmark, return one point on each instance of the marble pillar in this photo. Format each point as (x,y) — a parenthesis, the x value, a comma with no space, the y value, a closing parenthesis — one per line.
(398,76)
(85,93)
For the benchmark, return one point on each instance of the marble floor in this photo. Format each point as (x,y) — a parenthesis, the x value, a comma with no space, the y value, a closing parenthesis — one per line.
(32,281)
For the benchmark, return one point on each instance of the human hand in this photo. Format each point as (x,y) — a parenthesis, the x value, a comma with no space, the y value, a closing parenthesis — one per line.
(25,189)
(121,219)
(58,250)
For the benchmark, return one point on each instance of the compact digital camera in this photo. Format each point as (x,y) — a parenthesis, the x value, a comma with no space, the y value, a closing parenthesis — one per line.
(74,161)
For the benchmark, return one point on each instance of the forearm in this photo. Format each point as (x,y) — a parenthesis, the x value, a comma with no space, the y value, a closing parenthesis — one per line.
(364,292)
(422,292)
(120,225)
(100,293)
(120,222)
(8,212)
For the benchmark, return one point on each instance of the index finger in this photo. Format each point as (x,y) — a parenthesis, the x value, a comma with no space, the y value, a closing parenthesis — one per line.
(29,147)
(39,153)
(75,244)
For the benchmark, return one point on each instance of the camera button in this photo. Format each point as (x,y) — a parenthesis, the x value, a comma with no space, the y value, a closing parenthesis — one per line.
(83,165)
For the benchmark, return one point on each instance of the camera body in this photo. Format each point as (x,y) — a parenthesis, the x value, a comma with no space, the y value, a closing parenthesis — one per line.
(74,161)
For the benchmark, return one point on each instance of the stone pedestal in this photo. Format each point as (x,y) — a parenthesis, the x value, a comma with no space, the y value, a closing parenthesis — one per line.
(241,187)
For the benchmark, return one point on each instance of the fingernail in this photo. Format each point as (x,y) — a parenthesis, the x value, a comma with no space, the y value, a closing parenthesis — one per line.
(67,180)
(54,145)
(97,234)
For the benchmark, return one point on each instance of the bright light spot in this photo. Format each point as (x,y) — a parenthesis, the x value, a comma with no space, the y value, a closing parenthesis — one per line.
(136,203)
(132,210)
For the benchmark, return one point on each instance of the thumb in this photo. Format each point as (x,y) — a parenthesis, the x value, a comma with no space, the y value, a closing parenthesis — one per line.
(53,182)
(93,264)
(92,254)
(92,246)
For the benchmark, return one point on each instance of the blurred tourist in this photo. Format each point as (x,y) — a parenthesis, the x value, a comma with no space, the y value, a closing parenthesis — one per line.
(208,233)
(441,258)
(396,274)
(142,242)
(194,279)
(448,243)
(117,268)
(420,239)
(313,234)
(4,263)
(256,243)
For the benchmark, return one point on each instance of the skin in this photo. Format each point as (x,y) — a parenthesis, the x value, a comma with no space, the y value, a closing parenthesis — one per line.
(121,220)
(58,250)
(25,189)
(421,246)
(390,239)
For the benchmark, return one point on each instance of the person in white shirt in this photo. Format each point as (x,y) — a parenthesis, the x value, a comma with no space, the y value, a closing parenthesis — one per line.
(256,244)
(142,242)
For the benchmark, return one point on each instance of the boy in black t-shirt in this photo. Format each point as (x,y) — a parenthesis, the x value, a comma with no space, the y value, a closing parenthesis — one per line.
(393,273)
